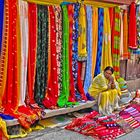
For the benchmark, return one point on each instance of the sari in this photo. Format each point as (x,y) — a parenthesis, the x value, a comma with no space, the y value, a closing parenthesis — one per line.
(107,98)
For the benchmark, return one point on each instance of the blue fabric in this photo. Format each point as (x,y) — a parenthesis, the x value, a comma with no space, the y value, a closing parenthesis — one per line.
(1,21)
(75,48)
(88,74)
(6,117)
(100,40)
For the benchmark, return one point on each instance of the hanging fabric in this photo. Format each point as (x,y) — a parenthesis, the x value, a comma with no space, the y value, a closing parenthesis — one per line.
(82,51)
(51,96)
(23,13)
(1,19)
(100,40)
(71,20)
(126,54)
(12,90)
(42,56)
(95,38)
(132,39)
(58,21)
(88,74)
(138,24)
(116,42)
(4,53)
(106,49)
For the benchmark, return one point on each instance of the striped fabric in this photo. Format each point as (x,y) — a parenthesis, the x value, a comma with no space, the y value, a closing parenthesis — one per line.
(100,40)
(116,42)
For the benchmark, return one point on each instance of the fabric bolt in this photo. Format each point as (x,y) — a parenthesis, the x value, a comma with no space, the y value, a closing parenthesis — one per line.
(32,51)
(82,51)
(70,8)
(12,90)
(138,24)
(2,20)
(4,53)
(132,39)
(106,48)
(23,13)
(116,42)
(64,95)
(52,90)
(42,55)
(58,20)
(126,53)
(95,38)
(88,74)
(100,40)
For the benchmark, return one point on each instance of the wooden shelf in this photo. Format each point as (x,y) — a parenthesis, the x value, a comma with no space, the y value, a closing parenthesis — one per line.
(55,112)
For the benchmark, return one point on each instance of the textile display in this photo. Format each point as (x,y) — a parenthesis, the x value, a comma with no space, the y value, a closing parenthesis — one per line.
(138,24)
(100,40)
(88,74)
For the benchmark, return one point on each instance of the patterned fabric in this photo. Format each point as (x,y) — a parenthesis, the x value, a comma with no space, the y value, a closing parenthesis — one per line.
(1,19)
(116,42)
(42,56)
(51,96)
(138,24)
(23,13)
(4,53)
(32,52)
(64,95)
(58,21)
(100,40)
(95,38)
(82,52)
(132,27)
(106,49)
(71,86)
(88,74)
(11,96)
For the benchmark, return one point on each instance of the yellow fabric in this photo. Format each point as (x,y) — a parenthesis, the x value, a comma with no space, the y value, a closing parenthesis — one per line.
(3,128)
(95,38)
(45,2)
(106,50)
(99,90)
(82,52)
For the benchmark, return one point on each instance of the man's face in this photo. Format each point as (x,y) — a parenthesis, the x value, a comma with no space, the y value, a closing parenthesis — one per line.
(107,74)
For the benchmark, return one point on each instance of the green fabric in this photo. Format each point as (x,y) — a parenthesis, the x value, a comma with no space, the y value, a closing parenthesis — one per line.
(64,93)
(42,54)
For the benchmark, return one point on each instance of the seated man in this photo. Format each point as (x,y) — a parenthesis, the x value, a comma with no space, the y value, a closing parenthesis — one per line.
(105,89)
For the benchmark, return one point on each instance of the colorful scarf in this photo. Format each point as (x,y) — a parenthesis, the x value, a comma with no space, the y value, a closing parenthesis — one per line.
(100,40)
(95,38)
(51,96)
(42,56)
(32,50)
(88,74)
(71,86)
(23,12)
(132,39)
(106,49)
(138,24)
(82,51)
(64,95)
(1,19)
(4,53)
(116,42)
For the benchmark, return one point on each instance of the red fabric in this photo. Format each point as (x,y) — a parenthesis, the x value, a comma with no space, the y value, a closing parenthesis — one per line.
(132,27)
(32,17)
(79,82)
(111,13)
(72,91)
(51,97)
